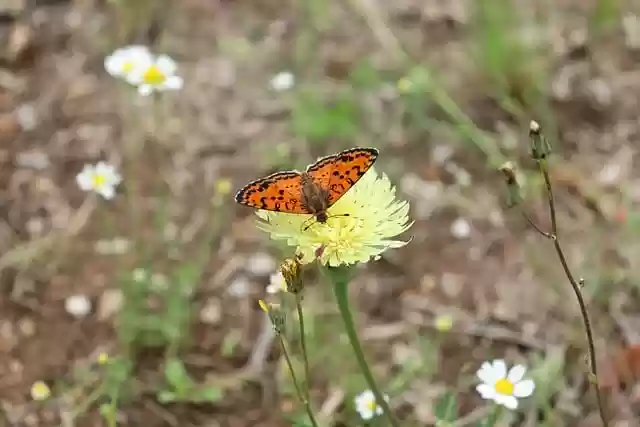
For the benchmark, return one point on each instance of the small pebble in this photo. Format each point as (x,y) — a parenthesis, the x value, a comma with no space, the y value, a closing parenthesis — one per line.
(441,153)
(261,264)
(461,228)
(78,306)
(631,29)
(211,313)
(239,287)
(283,81)
(109,304)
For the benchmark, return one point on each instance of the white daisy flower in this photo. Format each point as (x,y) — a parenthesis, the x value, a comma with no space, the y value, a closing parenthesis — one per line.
(156,74)
(101,178)
(125,60)
(277,284)
(366,405)
(283,81)
(504,388)
(40,391)
(361,225)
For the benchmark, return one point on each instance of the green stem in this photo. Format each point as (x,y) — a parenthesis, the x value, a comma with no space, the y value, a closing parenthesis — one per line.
(493,417)
(304,399)
(340,280)
(303,343)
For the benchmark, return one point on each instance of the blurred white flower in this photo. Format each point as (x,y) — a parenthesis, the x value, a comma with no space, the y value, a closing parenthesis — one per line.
(156,74)
(78,306)
(366,405)
(101,178)
(504,388)
(460,228)
(283,81)
(126,59)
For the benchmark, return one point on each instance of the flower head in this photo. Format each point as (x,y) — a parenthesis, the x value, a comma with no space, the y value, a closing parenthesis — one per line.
(155,74)
(101,178)
(504,388)
(366,405)
(125,60)
(360,226)
(40,391)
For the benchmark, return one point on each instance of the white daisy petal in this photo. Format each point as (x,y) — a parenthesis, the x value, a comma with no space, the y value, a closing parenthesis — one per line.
(113,65)
(145,89)
(524,388)
(508,401)
(174,82)
(486,391)
(107,192)
(84,178)
(516,373)
(486,373)
(166,64)
(500,368)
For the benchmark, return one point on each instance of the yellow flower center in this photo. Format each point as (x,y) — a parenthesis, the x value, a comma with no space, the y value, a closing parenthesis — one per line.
(154,76)
(504,386)
(98,180)
(127,67)
(371,404)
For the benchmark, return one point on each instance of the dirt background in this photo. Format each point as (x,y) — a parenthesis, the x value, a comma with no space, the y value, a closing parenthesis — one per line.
(502,284)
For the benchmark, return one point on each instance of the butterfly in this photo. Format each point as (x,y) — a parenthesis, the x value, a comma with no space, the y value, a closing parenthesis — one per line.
(312,191)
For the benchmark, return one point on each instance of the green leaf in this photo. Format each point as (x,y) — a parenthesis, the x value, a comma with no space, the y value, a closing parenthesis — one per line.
(177,376)
(446,409)
(166,396)
(210,394)
(317,120)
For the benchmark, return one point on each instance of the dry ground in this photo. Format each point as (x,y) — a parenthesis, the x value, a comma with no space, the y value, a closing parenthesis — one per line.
(502,283)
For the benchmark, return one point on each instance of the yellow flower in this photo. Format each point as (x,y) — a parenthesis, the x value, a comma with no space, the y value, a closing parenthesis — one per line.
(40,391)
(103,358)
(405,85)
(375,216)
(223,186)
(444,322)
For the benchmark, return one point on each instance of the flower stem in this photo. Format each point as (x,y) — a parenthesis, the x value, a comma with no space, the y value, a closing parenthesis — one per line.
(340,280)
(303,343)
(303,398)
(493,417)
(544,170)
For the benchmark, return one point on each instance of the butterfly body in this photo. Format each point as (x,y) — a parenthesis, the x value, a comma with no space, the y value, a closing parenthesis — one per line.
(314,198)
(313,191)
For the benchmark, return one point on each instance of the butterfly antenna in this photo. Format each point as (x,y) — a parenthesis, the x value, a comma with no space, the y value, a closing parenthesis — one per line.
(314,221)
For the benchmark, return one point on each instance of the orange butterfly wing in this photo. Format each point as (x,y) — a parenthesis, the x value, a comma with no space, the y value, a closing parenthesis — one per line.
(278,192)
(337,173)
